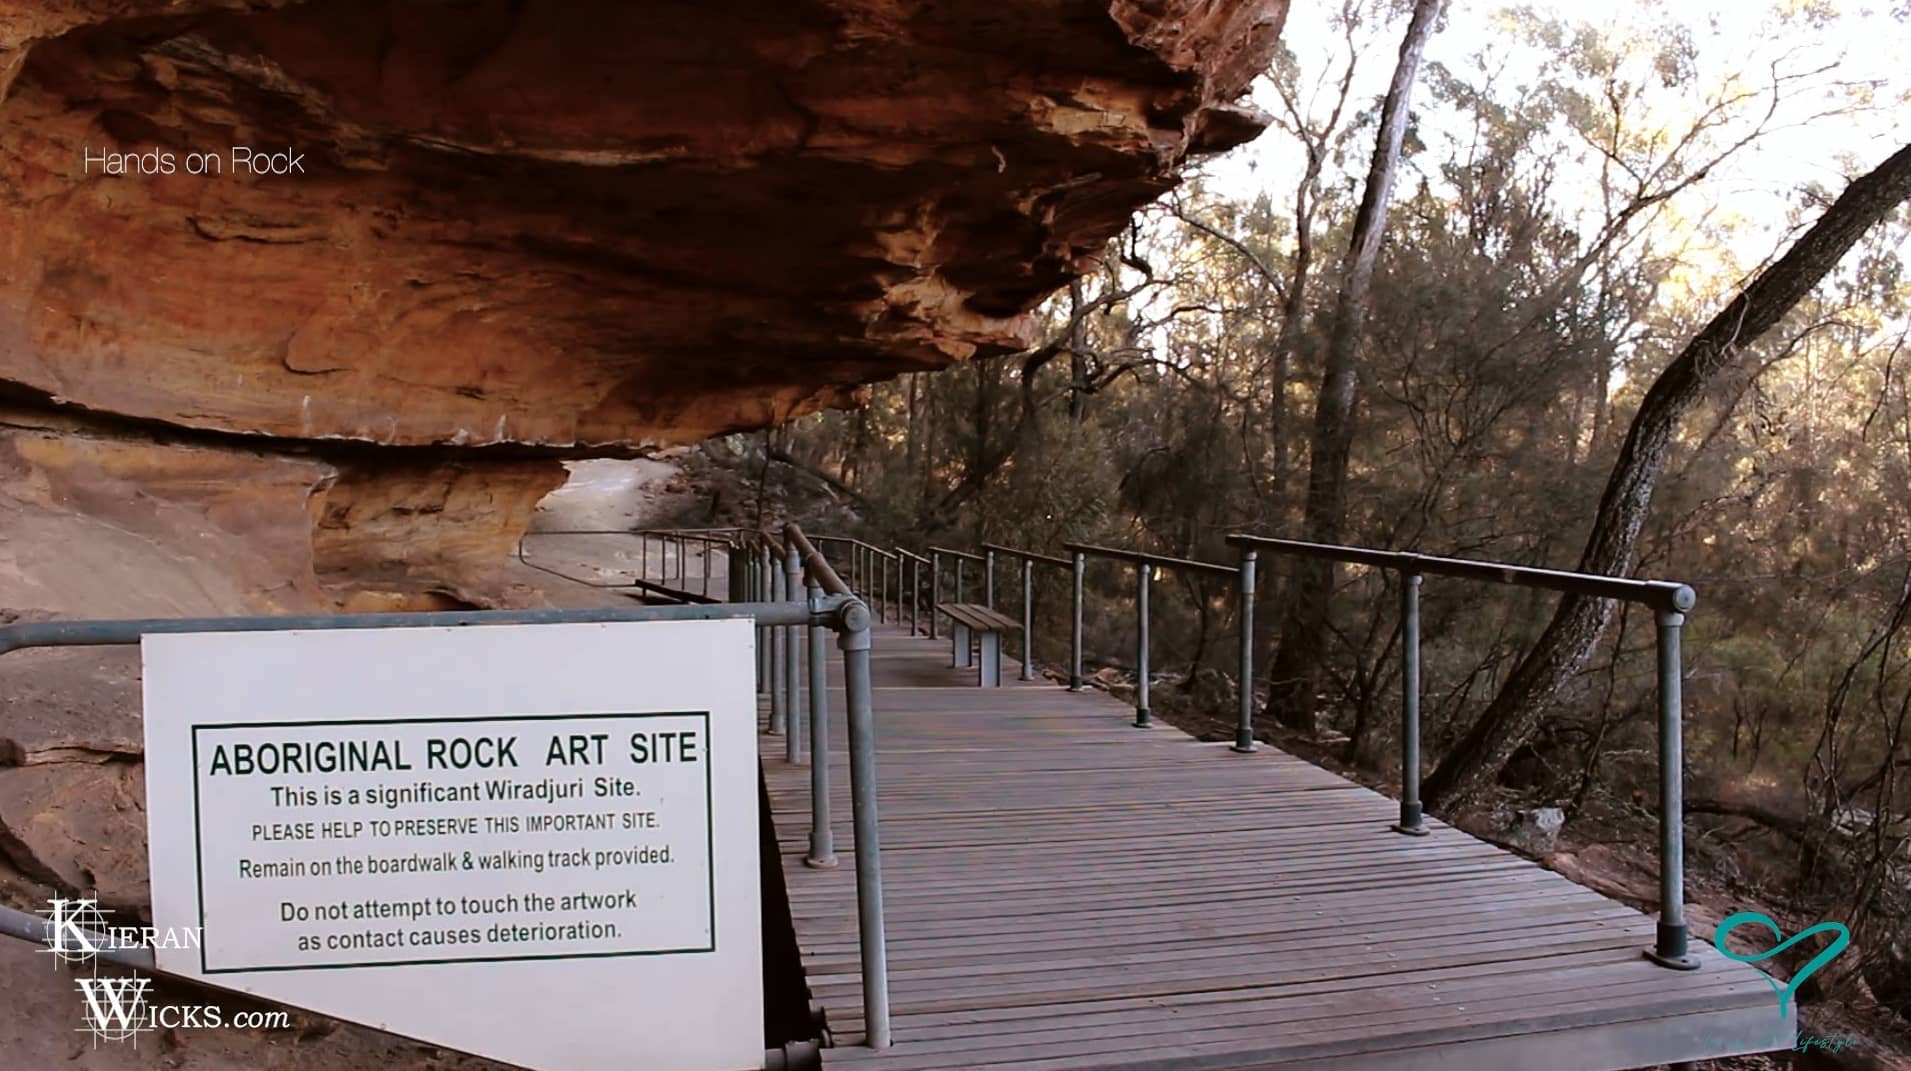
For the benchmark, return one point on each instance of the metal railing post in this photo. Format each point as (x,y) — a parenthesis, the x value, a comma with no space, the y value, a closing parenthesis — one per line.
(779,654)
(1410,813)
(1028,619)
(935,589)
(767,649)
(1144,573)
(822,840)
(1075,636)
(882,588)
(988,579)
(915,596)
(958,580)
(752,581)
(1244,727)
(855,643)
(1670,949)
(792,702)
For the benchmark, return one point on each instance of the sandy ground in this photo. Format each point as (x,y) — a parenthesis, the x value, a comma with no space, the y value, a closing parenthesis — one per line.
(615,495)
(582,530)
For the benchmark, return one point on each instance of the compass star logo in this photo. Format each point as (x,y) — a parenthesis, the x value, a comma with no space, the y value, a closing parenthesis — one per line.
(71,926)
(115,1008)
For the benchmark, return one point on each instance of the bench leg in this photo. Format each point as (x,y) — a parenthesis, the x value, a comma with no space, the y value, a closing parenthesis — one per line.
(991,659)
(960,657)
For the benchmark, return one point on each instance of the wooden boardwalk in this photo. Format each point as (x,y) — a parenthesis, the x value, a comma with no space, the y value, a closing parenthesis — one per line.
(1065,891)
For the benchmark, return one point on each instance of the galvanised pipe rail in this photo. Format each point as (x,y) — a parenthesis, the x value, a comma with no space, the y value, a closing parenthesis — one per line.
(867,560)
(1665,595)
(843,613)
(859,702)
(794,591)
(683,536)
(1029,560)
(1669,601)
(916,562)
(936,554)
(127,632)
(958,554)
(1027,555)
(643,581)
(779,674)
(1145,565)
(1159,560)
(759,554)
(833,608)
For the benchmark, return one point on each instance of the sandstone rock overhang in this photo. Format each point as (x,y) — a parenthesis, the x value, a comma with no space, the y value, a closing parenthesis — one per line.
(587,226)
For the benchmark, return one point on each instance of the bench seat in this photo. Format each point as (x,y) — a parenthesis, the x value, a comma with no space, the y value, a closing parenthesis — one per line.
(987,626)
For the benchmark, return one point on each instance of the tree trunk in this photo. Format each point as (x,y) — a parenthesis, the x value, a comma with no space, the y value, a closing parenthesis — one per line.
(1296,671)
(1293,317)
(912,445)
(1578,622)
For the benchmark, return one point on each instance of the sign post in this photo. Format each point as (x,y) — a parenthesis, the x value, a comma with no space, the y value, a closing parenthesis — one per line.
(534,843)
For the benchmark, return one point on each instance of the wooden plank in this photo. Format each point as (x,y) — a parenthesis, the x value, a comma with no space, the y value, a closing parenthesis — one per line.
(1016,1019)
(978,616)
(1301,1004)
(1065,891)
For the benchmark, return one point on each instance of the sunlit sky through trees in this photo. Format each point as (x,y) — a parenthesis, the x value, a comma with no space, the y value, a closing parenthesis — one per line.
(1844,103)
(1749,116)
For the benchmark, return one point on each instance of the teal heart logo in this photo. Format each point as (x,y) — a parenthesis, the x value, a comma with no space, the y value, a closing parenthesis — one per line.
(1829,953)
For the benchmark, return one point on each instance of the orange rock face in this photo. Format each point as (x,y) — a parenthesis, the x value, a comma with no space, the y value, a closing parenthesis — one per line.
(271,271)
(587,225)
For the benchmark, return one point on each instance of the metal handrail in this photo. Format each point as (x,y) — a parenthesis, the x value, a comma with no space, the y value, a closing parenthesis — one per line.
(824,583)
(1027,555)
(869,564)
(820,571)
(953,553)
(697,534)
(1142,557)
(936,554)
(821,612)
(529,564)
(119,632)
(1663,595)
(914,562)
(1669,601)
(682,592)
(1145,565)
(1030,559)
(853,540)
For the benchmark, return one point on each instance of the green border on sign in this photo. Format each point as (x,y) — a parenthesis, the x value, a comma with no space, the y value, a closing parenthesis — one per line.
(709,830)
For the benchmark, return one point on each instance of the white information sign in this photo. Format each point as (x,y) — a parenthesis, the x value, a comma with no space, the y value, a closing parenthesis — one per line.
(536,843)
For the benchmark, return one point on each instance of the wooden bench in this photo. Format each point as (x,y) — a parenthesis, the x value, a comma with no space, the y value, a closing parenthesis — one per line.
(987,626)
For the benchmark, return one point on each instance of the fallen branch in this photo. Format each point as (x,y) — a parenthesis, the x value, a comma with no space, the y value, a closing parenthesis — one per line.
(1795,828)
